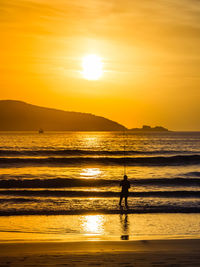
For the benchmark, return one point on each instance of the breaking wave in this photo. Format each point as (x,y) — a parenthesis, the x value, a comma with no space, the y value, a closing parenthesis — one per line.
(77,152)
(130,161)
(65,193)
(68,183)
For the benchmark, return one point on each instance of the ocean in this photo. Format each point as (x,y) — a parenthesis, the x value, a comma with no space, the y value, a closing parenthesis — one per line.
(74,173)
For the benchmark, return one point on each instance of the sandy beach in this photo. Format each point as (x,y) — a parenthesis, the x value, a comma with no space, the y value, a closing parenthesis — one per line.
(181,252)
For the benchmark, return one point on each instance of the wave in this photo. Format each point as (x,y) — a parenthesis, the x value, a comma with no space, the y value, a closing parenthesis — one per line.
(136,210)
(66,182)
(193,174)
(77,152)
(136,161)
(18,200)
(65,193)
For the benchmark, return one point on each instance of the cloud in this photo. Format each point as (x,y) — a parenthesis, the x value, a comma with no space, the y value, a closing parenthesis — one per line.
(160,27)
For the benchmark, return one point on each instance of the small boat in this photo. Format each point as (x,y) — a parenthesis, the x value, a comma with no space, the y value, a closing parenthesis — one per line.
(40,131)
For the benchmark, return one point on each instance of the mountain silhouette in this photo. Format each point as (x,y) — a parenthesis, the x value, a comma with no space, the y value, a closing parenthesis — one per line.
(21,116)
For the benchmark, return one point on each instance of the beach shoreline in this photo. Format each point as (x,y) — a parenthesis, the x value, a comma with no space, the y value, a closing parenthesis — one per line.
(182,252)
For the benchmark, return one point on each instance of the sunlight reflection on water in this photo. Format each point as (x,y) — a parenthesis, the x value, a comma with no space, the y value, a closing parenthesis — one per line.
(93,224)
(90,172)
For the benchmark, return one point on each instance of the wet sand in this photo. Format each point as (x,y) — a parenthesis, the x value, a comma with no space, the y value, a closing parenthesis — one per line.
(178,252)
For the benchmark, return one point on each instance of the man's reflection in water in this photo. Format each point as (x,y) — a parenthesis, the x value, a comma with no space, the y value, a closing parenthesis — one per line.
(124,226)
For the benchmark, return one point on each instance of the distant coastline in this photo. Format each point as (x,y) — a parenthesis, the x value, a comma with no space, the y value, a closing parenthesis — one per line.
(21,116)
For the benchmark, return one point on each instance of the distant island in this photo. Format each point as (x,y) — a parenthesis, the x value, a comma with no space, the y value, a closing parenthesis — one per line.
(147,128)
(20,116)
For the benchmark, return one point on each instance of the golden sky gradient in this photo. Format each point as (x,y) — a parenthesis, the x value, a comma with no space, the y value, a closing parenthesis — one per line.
(150,52)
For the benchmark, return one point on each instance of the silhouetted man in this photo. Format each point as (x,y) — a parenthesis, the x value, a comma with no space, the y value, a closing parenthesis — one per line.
(125,184)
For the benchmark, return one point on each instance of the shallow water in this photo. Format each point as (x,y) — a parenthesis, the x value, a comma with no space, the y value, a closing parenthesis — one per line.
(99,227)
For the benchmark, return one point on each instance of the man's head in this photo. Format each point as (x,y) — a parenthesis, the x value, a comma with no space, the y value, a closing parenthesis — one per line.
(125,177)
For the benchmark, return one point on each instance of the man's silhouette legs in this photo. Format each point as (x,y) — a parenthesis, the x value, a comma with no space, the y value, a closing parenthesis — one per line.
(120,201)
(126,200)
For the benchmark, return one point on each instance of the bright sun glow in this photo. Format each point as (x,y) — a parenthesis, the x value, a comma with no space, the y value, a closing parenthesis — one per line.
(92,67)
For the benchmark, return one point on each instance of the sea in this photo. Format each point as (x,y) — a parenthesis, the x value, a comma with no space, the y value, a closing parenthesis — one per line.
(79,173)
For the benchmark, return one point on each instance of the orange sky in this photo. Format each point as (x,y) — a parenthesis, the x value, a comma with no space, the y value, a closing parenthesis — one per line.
(150,52)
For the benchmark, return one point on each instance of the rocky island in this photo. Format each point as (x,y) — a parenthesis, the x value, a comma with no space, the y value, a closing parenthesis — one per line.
(147,128)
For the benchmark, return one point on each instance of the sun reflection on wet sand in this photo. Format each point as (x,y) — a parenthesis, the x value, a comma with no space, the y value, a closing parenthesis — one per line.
(93,224)
(99,227)
(90,172)
(124,226)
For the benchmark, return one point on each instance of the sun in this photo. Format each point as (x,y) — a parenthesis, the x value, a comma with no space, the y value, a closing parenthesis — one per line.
(92,67)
